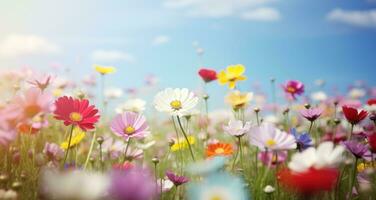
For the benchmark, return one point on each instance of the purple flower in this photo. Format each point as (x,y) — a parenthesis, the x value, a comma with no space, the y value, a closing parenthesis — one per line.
(130,125)
(311,114)
(132,184)
(357,149)
(303,140)
(53,151)
(176,179)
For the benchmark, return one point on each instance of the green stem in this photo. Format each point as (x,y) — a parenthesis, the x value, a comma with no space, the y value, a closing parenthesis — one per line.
(126,150)
(186,138)
(351,131)
(236,157)
(353,179)
(101,157)
(69,143)
(90,150)
(180,157)
(241,152)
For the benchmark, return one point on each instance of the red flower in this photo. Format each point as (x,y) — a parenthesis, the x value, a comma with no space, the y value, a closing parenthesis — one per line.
(76,112)
(207,75)
(352,115)
(371,102)
(309,182)
(372,142)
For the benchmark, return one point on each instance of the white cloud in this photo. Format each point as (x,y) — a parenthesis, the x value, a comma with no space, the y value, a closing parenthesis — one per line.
(161,39)
(262,14)
(20,45)
(215,8)
(111,56)
(362,18)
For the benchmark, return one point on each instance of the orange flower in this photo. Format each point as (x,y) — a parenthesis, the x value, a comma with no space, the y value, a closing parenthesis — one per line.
(219,149)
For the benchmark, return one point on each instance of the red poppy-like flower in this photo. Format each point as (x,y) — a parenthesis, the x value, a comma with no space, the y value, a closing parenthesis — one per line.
(371,102)
(372,142)
(76,112)
(207,75)
(309,182)
(352,115)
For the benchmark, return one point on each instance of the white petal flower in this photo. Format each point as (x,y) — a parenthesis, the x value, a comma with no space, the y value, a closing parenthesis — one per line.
(319,96)
(113,93)
(269,189)
(236,127)
(326,155)
(176,102)
(133,105)
(268,136)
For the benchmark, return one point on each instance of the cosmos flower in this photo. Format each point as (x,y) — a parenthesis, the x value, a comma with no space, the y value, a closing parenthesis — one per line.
(303,140)
(237,128)
(371,105)
(272,159)
(354,116)
(325,156)
(311,114)
(77,136)
(293,88)
(76,112)
(130,125)
(231,75)
(357,149)
(219,186)
(176,179)
(182,144)
(73,184)
(238,100)
(219,149)
(133,105)
(32,103)
(176,102)
(266,136)
(207,75)
(134,184)
(103,70)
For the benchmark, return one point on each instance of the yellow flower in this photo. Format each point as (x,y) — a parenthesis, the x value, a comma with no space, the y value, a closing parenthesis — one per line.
(77,136)
(231,75)
(238,99)
(182,144)
(363,166)
(104,70)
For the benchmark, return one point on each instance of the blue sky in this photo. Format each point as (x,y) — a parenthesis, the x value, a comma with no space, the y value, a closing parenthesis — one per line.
(287,39)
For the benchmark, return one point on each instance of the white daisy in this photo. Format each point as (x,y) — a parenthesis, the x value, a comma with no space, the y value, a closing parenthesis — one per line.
(326,155)
(133,105)
(176,102)
(237,128)
(113,93)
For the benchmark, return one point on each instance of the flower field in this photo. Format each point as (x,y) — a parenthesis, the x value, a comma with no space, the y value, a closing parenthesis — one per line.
(60,141)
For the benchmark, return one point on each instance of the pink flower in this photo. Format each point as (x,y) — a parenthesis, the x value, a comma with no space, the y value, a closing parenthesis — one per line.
(271,159)
(53,151)
(293,88)
(237,128)
(311,114)
(130,125)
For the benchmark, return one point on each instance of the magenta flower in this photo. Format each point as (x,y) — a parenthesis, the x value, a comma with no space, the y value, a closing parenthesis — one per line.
(176,179)
(130,125)
(293,88)
(359,150)
(132,184)
(272,159)
(311,114)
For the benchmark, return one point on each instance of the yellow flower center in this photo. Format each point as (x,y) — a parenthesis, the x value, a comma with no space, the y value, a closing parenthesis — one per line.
(219,151)
(291,89)
(270,142)
(176,105)
(75,116)
(129,130)
(215,198)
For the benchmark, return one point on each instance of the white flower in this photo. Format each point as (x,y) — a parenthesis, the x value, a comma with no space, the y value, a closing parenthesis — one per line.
(237,128)
(357,93)
(113,93)
(269,189)
(75,184)
(319,96)
(167,185)
(176,102)
(268,136)
(133,105)
(370,108)
(326,155)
